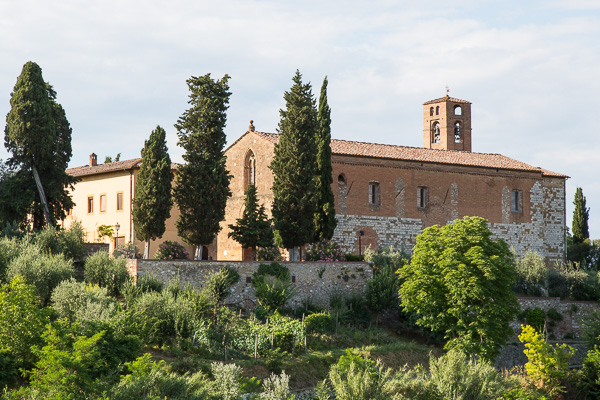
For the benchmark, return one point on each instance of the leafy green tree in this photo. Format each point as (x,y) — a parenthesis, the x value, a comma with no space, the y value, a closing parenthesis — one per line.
(254,228)
(382,291)
(38,135)
(202,183)
(152,203)
(581,216)
(459,283)
(22,321)
(294,168)
(325,221)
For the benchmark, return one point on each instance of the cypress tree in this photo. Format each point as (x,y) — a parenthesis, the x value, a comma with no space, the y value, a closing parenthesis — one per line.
(325,221)
(580,218)
(202,183)
(153,201)
(293,167)
(38,135)
(254,228)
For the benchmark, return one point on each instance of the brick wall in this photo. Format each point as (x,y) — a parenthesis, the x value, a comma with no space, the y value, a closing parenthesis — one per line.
(453,192)
(316,280)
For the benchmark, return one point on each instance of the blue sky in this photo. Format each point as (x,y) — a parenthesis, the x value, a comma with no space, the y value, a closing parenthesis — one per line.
(119,68)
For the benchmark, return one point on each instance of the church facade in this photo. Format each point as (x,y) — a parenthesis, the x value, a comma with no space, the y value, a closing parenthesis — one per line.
(385,195)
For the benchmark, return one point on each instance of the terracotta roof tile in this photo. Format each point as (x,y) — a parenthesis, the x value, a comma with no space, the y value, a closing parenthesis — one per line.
(447,98)
(420,154)
(109,167)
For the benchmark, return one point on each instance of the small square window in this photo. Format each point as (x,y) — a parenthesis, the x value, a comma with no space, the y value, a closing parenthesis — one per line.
(422,197)
(516,201)
(120,201)
(374,194)
(90,204)
(102,203)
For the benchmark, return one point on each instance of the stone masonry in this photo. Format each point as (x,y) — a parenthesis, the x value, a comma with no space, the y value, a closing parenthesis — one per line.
(312,280)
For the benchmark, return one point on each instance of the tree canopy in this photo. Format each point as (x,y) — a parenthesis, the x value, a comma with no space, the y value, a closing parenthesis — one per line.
(459,283)
(38,135)
(202,182)
(152,203)
(254,228)
(293,167)
(325,221)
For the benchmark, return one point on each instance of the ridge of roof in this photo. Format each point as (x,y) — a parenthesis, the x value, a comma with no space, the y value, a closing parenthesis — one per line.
(422,154)
(106,167)
(447,98)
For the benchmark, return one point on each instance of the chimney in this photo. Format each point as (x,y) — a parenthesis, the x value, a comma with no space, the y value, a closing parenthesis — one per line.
(93,160)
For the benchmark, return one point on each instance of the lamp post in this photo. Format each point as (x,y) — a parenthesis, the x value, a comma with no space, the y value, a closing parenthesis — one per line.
(360,233)
(117,226)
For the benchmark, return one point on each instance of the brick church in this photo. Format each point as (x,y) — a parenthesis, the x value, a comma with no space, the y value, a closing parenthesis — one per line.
(391,193)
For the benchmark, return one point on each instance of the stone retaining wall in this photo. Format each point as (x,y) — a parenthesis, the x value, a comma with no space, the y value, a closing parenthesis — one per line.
(313,280)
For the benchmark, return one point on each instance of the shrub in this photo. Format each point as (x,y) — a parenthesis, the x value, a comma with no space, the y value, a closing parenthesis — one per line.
(567,281)
(382,290)
(77,301)
(355,378)
(22,321)
(9,250)
(107,272)
(319,323)
(277,388)
(536,318)
(274,269)
(151,380)
(227,381)
(546,363)
(170,250)
(71,242)
(387,257)
(353,257)
(325,250)
(47,240)
(532,274)
(272,293)
(591,328)
(128,251)
(589,379)
(220,283)
(147,283)
(454,376)
(268,254)
(44,271)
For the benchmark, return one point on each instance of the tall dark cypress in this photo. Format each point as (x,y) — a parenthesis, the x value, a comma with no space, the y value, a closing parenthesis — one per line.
(38,135)
(152,201)
(294,167)
(581,216)
(325,221)
(202,182)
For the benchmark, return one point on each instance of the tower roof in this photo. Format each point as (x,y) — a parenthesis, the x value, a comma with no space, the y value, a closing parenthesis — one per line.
(447,98)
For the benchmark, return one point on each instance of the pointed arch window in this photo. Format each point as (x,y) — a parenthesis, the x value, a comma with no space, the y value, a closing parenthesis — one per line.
(249,169)
(457,133)
(435,132)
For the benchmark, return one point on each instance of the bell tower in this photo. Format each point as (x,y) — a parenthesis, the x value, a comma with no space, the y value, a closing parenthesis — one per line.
(447,124)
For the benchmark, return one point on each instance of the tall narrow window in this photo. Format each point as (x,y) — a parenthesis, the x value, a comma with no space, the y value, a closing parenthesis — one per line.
(120,201)
(435,132)
(374,196)
(102,203)
(457,110)
(90,204)
(516,201)
(457,133)
(249,169)
(430,111)
(437,110)
(422,197)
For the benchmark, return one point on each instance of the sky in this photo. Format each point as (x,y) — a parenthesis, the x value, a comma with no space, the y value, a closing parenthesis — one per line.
(119,67)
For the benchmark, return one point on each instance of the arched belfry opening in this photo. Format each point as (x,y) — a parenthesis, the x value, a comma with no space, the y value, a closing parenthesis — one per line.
(449,128)
(249,169)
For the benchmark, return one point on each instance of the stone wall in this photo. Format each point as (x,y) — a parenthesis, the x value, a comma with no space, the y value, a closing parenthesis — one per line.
(573,313)
(92,248)
(312,280)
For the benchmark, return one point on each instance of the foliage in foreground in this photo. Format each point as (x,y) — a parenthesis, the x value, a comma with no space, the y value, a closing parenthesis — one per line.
(454,272)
